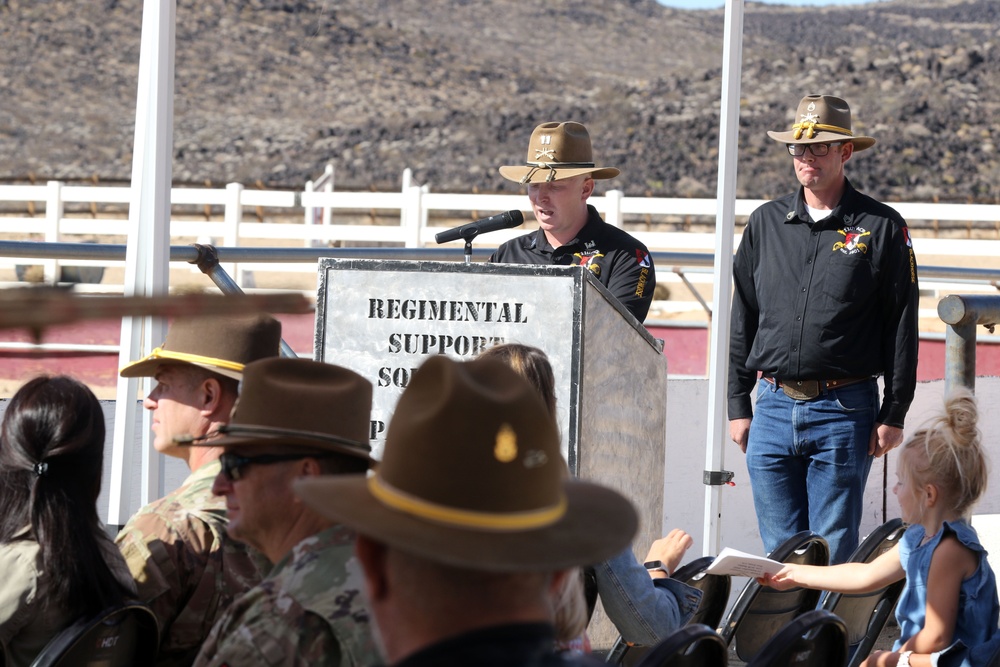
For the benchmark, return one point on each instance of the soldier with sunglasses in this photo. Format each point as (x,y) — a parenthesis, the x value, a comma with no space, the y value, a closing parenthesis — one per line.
(825,302)
(295,418)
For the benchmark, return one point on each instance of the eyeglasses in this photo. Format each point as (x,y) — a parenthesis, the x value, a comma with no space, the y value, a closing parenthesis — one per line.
(819,150)
(233,464)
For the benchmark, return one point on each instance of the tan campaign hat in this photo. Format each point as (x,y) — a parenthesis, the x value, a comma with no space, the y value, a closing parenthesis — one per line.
(472,476)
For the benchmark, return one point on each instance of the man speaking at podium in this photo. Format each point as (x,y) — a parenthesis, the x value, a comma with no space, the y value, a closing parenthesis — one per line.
(560,174)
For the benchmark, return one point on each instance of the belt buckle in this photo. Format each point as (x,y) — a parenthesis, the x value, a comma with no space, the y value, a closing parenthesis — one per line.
(801,390)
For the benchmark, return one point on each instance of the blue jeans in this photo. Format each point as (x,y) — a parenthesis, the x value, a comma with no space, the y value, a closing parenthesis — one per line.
(808,463)
(644,610)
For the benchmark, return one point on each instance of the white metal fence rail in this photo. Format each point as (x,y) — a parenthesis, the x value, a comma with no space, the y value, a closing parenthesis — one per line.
(320,209)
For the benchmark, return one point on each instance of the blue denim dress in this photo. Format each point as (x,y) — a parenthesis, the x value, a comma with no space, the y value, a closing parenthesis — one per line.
(978,608)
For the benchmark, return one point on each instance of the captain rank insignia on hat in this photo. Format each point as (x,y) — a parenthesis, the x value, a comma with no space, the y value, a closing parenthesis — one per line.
(505,449)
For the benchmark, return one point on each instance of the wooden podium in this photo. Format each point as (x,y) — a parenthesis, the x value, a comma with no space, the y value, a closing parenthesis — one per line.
(382,318)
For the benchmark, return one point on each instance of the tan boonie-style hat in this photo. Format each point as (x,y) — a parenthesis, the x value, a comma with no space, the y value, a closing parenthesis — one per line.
(822,119)
(222,344)
(298,403)
(472,476)
(557,151)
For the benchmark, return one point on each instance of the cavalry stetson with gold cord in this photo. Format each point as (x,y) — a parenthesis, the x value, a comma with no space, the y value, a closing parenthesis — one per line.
(221,344)
(822,119)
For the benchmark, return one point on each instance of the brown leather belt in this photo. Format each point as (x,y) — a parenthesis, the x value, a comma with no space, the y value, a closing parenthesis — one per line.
(806,390)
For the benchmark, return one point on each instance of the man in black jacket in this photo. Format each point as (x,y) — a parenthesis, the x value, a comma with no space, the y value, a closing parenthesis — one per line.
(825,301)
(560,174)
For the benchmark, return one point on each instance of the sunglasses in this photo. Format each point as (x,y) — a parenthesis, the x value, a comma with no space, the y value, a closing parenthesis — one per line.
(819,150)
(233,464)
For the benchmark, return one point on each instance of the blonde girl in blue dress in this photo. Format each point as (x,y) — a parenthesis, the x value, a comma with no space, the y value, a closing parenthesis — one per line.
(950,597)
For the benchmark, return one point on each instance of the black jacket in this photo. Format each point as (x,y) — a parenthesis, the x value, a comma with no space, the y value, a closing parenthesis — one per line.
(515,645)
(826,300)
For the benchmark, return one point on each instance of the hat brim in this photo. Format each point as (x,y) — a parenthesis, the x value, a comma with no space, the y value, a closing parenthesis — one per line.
(516,173)
(822,137)
(150,364)
(286,439)
(597,525)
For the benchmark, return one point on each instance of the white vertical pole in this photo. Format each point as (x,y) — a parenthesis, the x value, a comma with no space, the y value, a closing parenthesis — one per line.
(412,211)
(231,234)
(54,209)
(148,246)
(328,187)
(729,123)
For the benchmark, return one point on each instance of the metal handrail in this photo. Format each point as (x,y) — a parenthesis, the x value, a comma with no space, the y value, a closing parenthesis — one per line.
(189,253)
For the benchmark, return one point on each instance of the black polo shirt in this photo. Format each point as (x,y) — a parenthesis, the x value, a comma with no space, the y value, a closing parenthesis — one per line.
(619,261)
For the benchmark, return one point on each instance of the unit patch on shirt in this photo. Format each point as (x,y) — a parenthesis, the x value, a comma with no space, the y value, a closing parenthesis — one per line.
(588,261)
(852,245)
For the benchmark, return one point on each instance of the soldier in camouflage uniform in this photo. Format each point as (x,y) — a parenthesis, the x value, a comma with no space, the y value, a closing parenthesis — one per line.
(295,418)
(185,565)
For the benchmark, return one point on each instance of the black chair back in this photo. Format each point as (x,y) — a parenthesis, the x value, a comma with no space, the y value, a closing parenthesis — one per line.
(122,636)
(816,638)
(693,645)
(714,590)
(865,614)
(760,612)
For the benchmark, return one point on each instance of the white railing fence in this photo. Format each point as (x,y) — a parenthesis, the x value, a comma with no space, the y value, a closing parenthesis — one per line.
(330,217)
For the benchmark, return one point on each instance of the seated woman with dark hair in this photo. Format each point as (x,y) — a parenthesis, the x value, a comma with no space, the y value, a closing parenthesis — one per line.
(56,562)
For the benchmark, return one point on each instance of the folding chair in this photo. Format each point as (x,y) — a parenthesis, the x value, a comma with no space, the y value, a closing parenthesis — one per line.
(817,638)
(121,636)
(759,611)
(865,614)
(714,598)
(694,645)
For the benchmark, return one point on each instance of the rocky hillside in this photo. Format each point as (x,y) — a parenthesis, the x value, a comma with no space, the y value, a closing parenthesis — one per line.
(270,91)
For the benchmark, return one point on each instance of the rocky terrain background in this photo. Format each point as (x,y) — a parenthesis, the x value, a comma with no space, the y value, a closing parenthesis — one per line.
(270,91)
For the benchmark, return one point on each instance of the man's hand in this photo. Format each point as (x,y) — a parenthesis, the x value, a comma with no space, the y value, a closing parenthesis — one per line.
(739,432)
(884,438)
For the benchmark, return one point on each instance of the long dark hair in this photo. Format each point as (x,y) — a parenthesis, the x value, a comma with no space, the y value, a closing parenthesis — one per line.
(51,454)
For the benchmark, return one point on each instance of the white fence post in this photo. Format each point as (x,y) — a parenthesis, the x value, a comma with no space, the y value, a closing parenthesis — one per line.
(412,206)
(54,209)
(231,236)
(309,216)
(407,180)
(326,183)
(613,212)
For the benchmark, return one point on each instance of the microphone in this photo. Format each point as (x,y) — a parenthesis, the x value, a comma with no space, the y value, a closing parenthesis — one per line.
(471,230)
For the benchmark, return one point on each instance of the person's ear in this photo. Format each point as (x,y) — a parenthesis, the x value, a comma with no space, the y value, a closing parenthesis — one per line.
(211,395)
(310,468)
(588,188)
(846,152)
(558,579)
(373,557)
(931,495)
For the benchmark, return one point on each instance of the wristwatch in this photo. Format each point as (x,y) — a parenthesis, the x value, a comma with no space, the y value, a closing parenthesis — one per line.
(904,659)
(655,565)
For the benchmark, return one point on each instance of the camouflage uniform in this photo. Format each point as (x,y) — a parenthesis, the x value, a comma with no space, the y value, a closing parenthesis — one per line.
(308,611)
(186,567)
